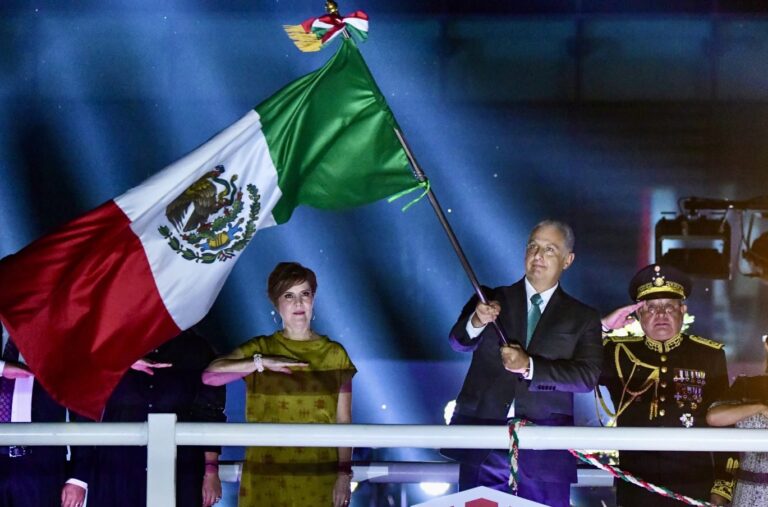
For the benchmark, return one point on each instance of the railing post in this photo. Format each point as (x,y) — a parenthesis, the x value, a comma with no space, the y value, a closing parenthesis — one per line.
(161,460)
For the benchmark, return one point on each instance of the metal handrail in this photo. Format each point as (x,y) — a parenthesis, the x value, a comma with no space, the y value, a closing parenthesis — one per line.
(161,434)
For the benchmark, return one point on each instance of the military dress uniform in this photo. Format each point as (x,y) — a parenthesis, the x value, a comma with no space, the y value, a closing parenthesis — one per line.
(668,384)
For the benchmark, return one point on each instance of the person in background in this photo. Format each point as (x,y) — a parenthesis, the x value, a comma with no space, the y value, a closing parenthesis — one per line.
(167,380)
(556,353)
(666,379)
(293,375)
(757,256)
(36,476)
(746,406)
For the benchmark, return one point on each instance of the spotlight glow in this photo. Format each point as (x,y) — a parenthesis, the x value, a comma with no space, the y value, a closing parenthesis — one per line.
(434,488)
(448,411)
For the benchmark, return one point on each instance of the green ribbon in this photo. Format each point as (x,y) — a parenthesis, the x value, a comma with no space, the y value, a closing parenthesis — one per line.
(422,184)
(514,449)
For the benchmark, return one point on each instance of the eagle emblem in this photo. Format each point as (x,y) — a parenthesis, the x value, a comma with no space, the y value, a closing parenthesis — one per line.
(208,218)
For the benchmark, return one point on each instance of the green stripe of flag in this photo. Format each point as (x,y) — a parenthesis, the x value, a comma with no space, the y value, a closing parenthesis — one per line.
(331,138)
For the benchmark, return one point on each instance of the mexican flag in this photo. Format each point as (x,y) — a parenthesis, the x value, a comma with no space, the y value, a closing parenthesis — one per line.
(86,301)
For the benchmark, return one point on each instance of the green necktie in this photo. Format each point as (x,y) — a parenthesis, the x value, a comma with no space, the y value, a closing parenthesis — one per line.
(533,316)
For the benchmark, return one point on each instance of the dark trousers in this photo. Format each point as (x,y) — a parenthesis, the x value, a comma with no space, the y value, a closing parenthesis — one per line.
(688,473)
(121,477)
(491,469)
(34,480)
(629,495)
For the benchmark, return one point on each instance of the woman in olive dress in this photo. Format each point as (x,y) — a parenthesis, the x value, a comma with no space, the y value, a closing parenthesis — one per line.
(292,376)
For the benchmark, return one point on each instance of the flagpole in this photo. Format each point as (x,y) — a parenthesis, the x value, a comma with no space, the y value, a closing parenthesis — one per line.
(422,178)
(332,8)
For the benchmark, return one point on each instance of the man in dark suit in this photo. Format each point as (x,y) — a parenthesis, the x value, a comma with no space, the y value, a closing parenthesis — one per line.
(36,476)
(555,351)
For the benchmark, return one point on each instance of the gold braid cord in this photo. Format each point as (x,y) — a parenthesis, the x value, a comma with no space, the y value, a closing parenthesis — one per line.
(651,381)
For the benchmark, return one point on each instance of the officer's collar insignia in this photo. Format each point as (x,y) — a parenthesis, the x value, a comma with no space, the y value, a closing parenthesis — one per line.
(665,346)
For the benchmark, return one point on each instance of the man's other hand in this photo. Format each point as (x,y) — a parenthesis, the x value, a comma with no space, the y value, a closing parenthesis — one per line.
(485,313)
(514,358)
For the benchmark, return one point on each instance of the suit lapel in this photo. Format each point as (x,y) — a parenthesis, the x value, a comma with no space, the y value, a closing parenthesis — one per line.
(515,312)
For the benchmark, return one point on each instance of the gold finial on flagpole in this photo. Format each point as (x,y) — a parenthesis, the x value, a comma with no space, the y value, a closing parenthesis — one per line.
(331,7)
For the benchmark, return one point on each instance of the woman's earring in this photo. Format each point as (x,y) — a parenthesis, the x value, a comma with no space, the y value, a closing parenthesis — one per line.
(274,316)
(314,315)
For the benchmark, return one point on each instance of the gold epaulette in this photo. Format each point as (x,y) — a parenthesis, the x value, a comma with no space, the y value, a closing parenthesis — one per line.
(621,339)
(707,342)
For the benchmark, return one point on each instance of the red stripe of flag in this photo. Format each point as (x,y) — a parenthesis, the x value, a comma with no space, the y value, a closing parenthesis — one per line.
(89,280)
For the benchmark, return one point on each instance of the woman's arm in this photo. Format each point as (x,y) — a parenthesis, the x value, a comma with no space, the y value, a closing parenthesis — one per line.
(341,490)
(728,415)
(227,368)
(235,365)
(211,480)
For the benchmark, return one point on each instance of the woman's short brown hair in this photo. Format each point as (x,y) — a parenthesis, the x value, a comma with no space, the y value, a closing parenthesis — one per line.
(286,275)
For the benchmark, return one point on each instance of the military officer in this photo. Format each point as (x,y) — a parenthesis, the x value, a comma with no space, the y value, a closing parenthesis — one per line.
(664,378)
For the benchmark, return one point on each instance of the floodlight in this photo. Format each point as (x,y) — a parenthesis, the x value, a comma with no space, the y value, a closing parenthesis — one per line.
(699,246)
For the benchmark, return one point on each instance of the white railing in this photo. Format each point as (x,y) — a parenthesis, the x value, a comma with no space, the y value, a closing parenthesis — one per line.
(161,434)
